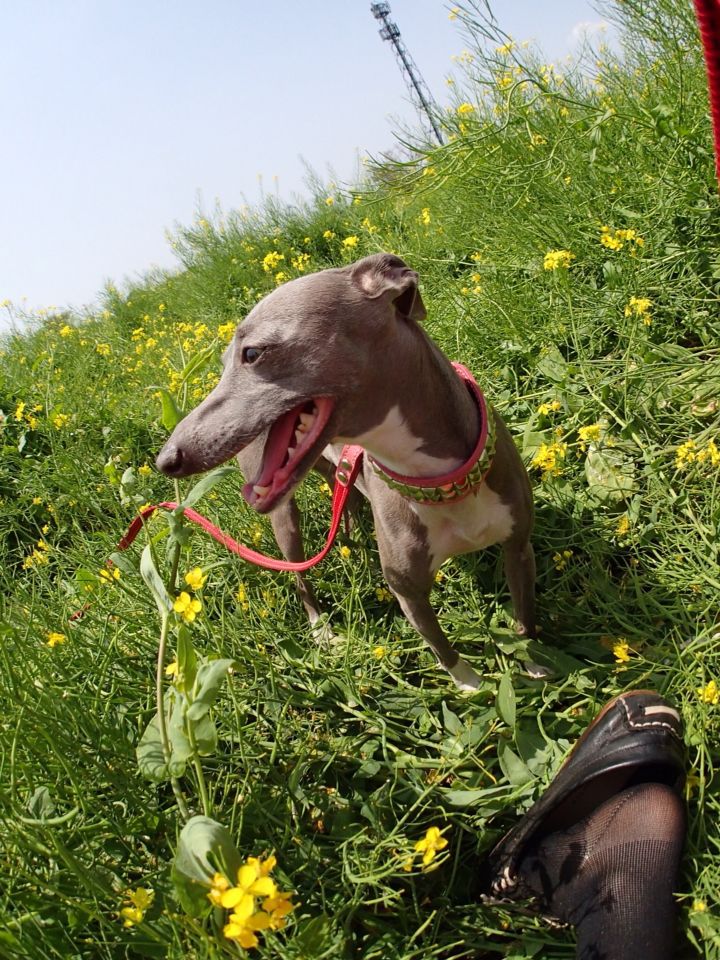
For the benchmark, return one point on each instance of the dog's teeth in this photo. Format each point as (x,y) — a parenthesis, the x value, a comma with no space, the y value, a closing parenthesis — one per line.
(291,451)
(299,435)
(306,420)
(260,491)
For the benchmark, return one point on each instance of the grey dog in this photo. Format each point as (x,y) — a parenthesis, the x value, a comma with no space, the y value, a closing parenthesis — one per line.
(340,357)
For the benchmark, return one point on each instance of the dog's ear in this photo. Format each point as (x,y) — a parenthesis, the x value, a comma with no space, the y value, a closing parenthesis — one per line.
(384,274)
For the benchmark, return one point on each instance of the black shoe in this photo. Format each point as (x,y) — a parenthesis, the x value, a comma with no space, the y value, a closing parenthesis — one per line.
(636,738)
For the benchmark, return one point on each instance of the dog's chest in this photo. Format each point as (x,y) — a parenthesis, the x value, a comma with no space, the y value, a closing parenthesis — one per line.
(478,521)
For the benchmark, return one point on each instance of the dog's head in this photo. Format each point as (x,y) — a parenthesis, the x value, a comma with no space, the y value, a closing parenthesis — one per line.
(309,365)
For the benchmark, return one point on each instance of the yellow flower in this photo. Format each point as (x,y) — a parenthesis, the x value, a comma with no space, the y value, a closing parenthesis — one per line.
(171,669)
(60,420)
(103,349)
(432,842)
(140,900)
(589,434)
(425,217)
(329,201)
(108,576)
(545,408)
(621,650)
(195,578)
(639,307)
(709,693)
(219,885)
(383,595)
(549,457)
(53,639)
(19,411)
(464,109)
(345,552)
(698,906)
(623,525)
(271,260)
(453,13)
(66,330)
(187,607)
(379,652)
(329,235)
(616,239)
(561,559)
(145,470)
(350,242)
(326,489)
(557,259)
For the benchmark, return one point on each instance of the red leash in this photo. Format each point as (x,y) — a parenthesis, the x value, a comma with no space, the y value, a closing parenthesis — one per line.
(708,17)
(345,476)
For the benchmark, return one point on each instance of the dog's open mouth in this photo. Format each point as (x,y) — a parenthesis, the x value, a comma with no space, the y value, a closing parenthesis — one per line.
(290,441)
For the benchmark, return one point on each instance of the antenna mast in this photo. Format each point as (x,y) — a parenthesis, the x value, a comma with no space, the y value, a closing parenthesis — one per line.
(419,92)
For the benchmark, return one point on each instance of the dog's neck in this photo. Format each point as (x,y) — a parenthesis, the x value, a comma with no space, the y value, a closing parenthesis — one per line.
(430,423)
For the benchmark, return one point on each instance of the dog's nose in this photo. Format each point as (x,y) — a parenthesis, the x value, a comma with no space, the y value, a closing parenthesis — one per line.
(170,460)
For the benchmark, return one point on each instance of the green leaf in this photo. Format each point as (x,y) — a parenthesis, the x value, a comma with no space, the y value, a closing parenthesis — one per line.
(40,805)
(512,766)
(171,414)
(198,362)
(553,365)
(505,700)
(205,733)
(206,484)
(210,677)
(152,578)
(180,747)
(452,723)
(187,660)
(312,938)
(610,476)
(205,847)
(150,757)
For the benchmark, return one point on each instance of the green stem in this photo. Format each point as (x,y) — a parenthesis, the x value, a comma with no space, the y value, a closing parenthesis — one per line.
(202,783)
(162,721)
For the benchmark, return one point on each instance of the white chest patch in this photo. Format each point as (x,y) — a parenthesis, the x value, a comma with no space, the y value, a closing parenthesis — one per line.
(478,521)
(392,443)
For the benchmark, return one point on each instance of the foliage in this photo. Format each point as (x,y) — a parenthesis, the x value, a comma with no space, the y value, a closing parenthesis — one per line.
(566,238)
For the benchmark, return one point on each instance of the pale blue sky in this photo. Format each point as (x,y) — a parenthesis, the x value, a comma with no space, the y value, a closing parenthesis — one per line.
(121,118)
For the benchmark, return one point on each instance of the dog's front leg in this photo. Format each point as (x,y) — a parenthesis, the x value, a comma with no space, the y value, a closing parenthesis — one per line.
(285,521)
(417,608)
(519,562)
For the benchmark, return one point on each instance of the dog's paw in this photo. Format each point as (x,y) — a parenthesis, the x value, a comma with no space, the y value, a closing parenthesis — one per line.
(324,635)
(464,676)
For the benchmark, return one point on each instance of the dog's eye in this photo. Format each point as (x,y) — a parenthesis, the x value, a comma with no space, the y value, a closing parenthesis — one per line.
(251,354)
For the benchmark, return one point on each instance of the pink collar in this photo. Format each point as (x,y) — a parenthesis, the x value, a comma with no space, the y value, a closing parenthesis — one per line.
(460,483)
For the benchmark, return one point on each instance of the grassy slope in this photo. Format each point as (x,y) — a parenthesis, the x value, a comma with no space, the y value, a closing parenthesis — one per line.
(340,760)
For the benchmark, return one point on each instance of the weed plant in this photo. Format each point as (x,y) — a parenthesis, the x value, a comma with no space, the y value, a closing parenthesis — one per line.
(567,241)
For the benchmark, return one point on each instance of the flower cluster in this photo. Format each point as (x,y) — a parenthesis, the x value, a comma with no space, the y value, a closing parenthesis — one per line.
(710,693)
(561,559)
(589,434)
(617,239)
(138,903)
(255,901)
(639,307)
(690,452)
(558,259)
(430,845)
(38,558)
(546,408)
(550,457)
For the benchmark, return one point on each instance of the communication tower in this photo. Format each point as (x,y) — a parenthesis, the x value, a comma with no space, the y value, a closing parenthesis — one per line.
(419,92)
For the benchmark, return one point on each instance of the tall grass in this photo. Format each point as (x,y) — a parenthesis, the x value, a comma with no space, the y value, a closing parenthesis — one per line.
(566,238)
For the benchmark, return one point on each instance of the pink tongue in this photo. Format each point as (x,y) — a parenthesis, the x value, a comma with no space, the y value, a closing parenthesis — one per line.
(275,453)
